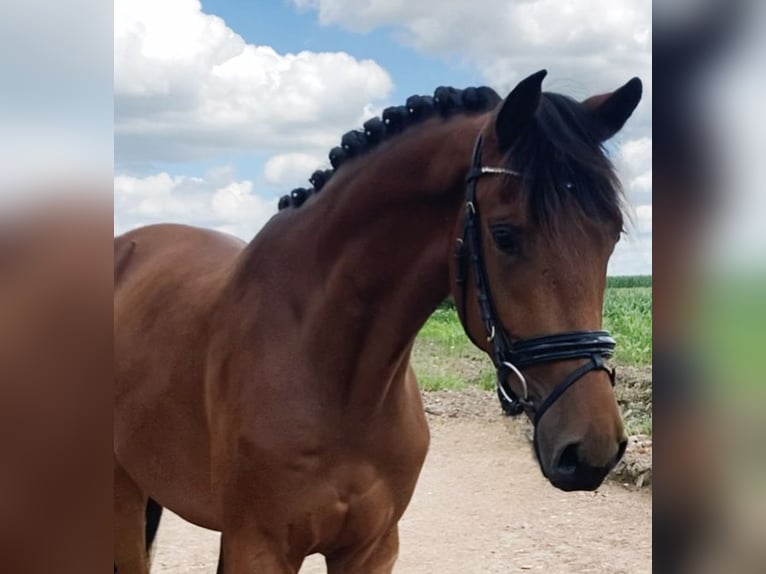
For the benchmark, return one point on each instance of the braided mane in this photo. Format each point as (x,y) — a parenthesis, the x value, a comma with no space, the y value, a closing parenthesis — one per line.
(445,102)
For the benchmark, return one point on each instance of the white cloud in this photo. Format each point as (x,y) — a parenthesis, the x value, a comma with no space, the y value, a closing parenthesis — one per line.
(632,256)
(633,161)
(292,169)
(188,87)
(634,164)
(634,167)
(216,200)
(585,44)
(644,218)
(637,154)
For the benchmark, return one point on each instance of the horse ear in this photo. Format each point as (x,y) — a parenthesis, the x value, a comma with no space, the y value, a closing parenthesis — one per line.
(518,110)
(611,111)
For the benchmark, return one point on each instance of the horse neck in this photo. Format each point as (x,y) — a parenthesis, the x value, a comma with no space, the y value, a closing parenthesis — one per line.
(374,252)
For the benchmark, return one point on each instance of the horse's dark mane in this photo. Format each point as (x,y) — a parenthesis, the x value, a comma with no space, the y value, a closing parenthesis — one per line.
(562,162)
(560,156)
(445,102)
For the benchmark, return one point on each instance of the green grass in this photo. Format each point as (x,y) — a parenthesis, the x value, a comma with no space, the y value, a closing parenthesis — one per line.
(443,329)
(643,427)
(628,315)
(440,382)
(623,281)
(444,358)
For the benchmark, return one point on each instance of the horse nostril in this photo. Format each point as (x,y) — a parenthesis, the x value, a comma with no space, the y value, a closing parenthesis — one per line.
(569,459)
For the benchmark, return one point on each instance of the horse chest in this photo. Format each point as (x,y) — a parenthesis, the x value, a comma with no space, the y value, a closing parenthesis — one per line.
(326,496)
(353,504)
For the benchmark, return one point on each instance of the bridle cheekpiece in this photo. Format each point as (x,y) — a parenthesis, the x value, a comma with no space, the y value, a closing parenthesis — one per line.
(510,357)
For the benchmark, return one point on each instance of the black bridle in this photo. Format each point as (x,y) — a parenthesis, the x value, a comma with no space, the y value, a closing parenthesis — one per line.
(510,356)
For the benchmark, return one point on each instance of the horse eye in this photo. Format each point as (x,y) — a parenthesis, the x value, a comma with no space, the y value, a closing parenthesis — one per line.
(507,239)
(569,185)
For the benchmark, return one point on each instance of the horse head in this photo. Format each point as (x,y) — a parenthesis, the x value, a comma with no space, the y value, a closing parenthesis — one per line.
(542,217)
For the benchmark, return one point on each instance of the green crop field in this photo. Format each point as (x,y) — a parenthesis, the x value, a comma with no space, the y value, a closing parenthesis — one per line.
(628,315)
(629,281)
(444,358)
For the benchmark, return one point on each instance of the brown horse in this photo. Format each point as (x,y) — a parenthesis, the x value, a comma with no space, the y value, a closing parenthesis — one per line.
(265,390)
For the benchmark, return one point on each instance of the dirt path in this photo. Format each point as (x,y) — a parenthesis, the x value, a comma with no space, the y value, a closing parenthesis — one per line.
(481,505)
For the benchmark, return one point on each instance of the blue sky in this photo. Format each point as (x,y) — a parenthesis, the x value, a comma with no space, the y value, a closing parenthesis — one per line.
(288,29)
(223,106)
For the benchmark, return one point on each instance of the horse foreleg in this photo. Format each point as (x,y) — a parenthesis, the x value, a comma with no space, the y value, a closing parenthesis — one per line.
(130,503)
(376,558)
(246,553)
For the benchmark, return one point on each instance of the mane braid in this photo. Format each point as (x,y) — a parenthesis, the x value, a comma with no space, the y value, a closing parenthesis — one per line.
(445,102)
(567,174)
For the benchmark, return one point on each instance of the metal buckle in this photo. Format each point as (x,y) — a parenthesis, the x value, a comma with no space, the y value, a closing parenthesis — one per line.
(523,400)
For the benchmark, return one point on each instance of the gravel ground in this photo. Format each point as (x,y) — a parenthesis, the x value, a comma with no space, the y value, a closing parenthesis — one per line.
(482,506)
(474,404)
